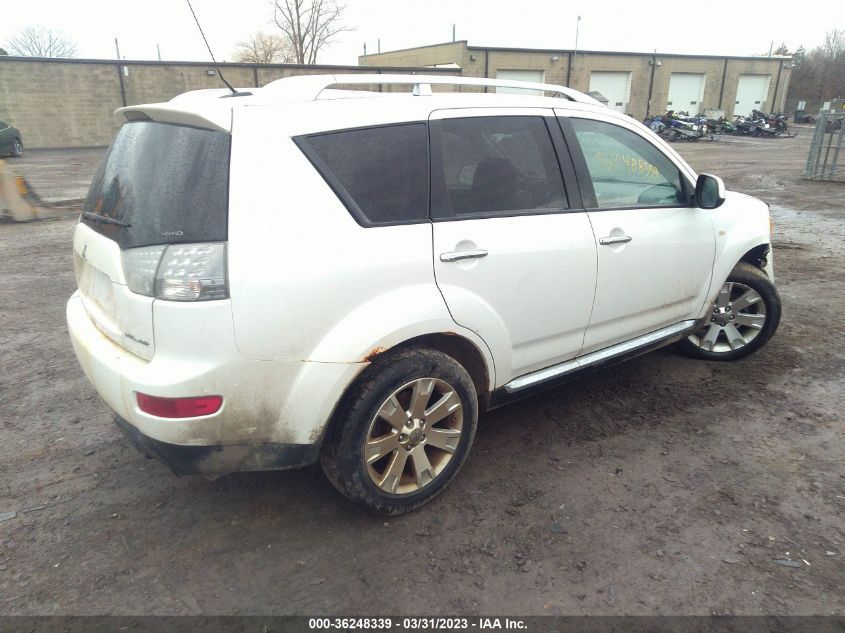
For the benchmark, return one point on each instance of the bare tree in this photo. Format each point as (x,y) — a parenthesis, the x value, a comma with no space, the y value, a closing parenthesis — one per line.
(834,45)
(819,74)
(309,24)
(41,41)
(265,48)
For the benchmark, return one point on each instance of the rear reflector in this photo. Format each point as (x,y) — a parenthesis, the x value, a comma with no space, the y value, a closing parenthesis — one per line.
(179,407)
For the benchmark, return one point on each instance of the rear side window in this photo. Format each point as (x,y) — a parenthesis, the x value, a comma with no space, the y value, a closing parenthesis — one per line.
(161,184)
(380,173)
(494,165)
(626,170)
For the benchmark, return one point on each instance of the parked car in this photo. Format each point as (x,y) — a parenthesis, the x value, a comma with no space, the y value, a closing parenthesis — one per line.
(271,279)
(11,141)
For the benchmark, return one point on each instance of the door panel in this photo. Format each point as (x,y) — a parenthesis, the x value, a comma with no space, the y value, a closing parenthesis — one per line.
(658,278)
(534,288)
(613,86)
(512,263)
(534,76)
(655,253)
(751,92)
(686,91)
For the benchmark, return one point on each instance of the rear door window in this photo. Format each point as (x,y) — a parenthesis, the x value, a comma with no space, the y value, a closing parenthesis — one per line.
(161,184)
(494,165)
(380,173)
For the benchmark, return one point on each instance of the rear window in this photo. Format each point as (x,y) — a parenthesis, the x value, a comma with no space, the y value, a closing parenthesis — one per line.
(494,165)
(168,183)
(380,173)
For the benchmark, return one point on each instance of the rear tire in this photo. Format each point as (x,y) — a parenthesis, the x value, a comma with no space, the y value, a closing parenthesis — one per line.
(17,148)
(743,319)
(402,432)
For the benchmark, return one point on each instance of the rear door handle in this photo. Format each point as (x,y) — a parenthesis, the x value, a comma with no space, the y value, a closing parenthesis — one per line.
(615,239)
(456,256)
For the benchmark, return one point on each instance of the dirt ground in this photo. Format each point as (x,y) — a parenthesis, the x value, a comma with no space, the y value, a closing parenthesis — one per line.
(663,486)
(59,175)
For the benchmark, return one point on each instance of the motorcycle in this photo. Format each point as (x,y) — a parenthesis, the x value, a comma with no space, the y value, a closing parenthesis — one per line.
(770,124)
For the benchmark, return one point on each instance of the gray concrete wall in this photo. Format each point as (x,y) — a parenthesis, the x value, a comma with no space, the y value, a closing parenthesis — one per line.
(69,103)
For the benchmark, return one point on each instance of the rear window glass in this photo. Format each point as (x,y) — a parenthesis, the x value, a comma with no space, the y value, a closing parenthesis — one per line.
(168,183)
(495,166)
(380,173)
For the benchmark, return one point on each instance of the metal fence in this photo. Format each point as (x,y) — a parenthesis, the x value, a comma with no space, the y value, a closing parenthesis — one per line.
(826,148)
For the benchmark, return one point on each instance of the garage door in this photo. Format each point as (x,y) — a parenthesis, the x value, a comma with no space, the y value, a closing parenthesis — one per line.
(686,92)
(614,86)
(520,75)
(751,93)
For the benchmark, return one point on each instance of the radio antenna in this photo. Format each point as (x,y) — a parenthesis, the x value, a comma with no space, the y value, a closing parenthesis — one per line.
(235,93)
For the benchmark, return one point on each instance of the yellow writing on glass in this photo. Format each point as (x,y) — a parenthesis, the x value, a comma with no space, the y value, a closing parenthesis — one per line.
(616,162)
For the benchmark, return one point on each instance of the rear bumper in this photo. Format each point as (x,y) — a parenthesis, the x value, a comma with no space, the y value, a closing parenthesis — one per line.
(266,404)
(215,460)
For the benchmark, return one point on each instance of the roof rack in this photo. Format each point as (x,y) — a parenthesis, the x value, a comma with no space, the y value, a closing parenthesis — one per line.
(309,87)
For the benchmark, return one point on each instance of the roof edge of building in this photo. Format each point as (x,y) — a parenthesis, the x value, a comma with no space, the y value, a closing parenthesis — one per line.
(209,64)
(505,49)
(637,53)
(417,48)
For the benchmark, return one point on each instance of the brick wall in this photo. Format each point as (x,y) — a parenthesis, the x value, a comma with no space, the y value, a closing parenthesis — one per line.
(565,68)
(69,103)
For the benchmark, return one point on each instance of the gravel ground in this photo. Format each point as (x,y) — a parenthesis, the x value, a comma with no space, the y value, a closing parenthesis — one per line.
(58,175)
(662,486)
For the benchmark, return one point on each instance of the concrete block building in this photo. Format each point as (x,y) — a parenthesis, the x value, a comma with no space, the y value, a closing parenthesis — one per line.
(636,83)
(69,102)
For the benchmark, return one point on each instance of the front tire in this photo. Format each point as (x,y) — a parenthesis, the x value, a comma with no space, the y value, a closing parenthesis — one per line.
(17,148)
(744,317)
(403,431)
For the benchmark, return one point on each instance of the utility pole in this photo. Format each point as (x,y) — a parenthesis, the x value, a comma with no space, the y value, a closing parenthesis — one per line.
(116,48)
(378,45)
(158,49)
(574,56)
(453,32)
(577,29)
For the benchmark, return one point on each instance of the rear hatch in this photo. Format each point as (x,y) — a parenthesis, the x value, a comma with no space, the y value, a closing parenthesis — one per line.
(159,184)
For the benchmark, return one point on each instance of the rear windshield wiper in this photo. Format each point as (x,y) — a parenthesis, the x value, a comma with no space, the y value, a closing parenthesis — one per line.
(94,217)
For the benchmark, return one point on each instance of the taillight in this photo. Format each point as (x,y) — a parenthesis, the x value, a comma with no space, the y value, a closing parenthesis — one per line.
(179,407)
(178,272)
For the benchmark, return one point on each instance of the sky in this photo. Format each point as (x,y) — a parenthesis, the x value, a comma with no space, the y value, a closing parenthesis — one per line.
(675,27)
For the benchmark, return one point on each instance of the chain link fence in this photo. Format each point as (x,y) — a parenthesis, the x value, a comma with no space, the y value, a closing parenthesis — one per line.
(826,148)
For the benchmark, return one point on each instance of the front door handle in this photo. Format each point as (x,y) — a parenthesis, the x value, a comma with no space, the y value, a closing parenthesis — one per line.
(615,239)
(456,256)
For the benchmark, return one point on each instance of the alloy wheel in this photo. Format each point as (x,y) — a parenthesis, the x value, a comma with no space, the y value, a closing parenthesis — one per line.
(414,436)
(736,319)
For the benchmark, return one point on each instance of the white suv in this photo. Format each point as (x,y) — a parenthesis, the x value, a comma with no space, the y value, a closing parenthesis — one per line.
(306,273)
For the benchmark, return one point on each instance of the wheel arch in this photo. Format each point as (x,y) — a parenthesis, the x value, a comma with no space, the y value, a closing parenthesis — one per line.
(462,350)
(459,347)
(757,256)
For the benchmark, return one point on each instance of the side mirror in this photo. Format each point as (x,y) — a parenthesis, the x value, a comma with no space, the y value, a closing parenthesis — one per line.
(709,191)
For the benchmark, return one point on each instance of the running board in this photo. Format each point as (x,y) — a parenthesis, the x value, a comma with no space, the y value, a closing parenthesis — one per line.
(563,372)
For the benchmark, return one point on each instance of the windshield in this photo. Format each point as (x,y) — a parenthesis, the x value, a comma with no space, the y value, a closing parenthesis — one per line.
(161,184)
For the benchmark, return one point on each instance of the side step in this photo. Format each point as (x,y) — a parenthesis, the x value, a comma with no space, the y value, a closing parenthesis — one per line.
(561,373)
